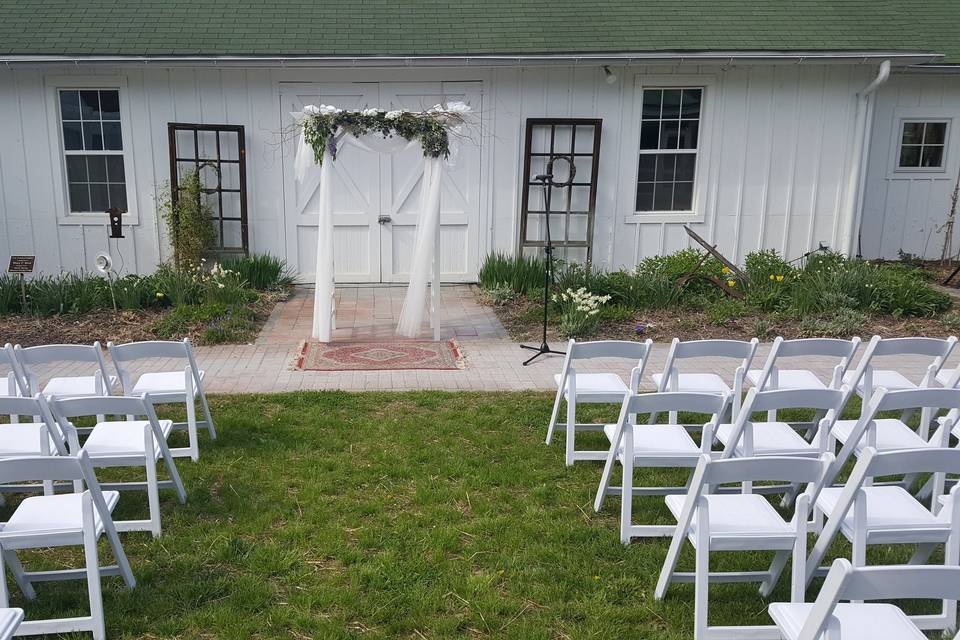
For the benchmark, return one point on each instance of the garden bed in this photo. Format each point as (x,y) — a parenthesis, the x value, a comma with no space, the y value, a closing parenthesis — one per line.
(829,296)
(210,306)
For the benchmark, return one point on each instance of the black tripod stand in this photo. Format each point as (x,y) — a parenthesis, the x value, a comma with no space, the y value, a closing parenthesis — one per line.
(547,182)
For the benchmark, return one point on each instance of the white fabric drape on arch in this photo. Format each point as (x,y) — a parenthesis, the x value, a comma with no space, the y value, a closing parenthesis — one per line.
(308,174)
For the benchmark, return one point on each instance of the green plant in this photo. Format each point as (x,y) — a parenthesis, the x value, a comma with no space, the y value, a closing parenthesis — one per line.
(500,295)
(225,286)
(763,328)
(951,320)
(215,323)
(520,272)
(579,311)
(178,287)
(843,323)
(189,220)
(137,292)
(10,294)
(723,311)
(261,271)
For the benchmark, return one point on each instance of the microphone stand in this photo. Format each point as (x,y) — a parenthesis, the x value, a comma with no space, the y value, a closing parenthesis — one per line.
(547,182)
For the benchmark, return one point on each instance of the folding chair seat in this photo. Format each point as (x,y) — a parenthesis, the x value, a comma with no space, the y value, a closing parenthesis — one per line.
(672,379)
(100,383)
(636,445)
(889,434)
(869,514)
(575,387)
(828,619)
(746,437)
(125,443)
(867,377)
(76,519)
(741,522)
(29,438)
(167,387)
(772,376)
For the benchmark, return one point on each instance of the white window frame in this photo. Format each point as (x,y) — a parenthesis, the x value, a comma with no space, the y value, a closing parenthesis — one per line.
(105,83)
(903,115)
(702,167)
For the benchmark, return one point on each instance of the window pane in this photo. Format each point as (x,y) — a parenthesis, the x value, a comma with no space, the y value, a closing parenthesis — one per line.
(79,197)
(686,162)
(912,132)
(665,165)
(935,133)
(649,135)
(76,169)
(69,105)
(92,136)
(683,196)
(909,156)
(648,163)
(72,136)
(671,103)
(111,136)
(688,134)
(663,196)
(932,156)
(645,196)
(99,199)
(690,103)
(90,105)
(118,196)
(651,103)
(669,134)
(110,105)
(115,168)
(97,166)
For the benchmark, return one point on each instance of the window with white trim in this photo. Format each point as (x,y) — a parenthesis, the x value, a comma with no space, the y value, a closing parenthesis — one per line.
(922,144)
(93,149)
(669,139)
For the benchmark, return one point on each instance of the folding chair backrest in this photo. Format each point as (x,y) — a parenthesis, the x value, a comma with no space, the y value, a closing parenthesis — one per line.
(824,399)
(937,348)
(627,349)
(50,353)
(826,347)
(917,398)
(100,405)
(9,360)
(709,403)
(739,349)
(766,469)
(170,349)
(910,461)
(844,582)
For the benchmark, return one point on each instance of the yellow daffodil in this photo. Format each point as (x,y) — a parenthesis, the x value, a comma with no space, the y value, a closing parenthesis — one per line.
(779,278)
(771,277)
(731,283)
(724,270)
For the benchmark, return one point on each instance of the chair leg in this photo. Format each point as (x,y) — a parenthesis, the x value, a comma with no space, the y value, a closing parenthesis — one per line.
(571,429)
(173,473)
(702,578)
(773,573)
(211,430)
(93,576)
(626,496)
(554,414)
(19,575)
(153,496)
(605,478)
(670,562)
(192,427)
(922,553)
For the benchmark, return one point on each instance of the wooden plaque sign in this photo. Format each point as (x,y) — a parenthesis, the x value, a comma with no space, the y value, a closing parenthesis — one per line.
(21,264)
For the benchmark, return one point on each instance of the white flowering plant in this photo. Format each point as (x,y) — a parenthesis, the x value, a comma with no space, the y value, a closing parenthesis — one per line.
(579,311)
(431,127)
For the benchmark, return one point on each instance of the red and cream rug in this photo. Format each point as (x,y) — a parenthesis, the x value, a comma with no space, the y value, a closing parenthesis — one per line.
(378,356)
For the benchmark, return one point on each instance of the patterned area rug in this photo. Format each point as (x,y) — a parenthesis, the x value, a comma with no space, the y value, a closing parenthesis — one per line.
(378,356)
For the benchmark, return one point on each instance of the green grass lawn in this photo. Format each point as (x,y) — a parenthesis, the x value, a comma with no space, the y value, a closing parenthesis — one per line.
(377,515)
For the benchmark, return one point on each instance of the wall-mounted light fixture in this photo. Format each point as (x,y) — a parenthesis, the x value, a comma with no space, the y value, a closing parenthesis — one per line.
(609,75)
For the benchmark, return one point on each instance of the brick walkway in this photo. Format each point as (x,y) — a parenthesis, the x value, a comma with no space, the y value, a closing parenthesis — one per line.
(492,361)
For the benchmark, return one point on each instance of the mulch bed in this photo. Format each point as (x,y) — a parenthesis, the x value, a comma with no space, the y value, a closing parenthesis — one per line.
(522,320)
(120,326)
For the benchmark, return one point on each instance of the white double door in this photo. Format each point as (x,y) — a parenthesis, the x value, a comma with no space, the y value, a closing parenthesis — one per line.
(376,196)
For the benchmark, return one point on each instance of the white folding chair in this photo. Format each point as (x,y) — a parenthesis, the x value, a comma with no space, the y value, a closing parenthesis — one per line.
(886,434)
(672,379)
(33,438)
(655,446)
(10,619)
(772,376)
(867,377)
(72,519)
(15,385)
(166,387)
(741,522)
(868,514)
(576,388)
(125,443)
(100,383)
(828,619)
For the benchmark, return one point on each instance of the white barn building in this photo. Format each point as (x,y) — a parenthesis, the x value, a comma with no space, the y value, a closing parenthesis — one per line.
(782,128)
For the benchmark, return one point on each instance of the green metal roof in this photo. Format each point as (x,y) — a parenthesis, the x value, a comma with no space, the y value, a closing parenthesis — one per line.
(472,27)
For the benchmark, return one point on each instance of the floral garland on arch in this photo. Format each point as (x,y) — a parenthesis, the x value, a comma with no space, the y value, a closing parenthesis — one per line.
(431,127)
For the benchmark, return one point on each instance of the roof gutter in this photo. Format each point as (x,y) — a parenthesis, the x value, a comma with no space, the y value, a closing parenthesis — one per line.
(852,213)
(681,57)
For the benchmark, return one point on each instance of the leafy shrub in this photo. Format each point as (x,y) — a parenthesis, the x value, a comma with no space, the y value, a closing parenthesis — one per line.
(189,221)
(727,309)
(10,294)
(766,266)
(951,320)
(209,323)
(136,292)
(672,267)
(521,273)
(261,271)
(224,286)
(843,323)
(903,293)
(179,287)
(500,295)
(579,311)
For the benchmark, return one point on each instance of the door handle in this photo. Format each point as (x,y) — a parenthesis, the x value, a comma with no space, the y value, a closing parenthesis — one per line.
(384,219)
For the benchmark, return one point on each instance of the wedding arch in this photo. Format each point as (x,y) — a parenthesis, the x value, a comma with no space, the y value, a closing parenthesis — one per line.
(321,131)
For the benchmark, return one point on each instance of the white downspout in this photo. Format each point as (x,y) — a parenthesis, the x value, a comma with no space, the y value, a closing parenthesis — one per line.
(853,191)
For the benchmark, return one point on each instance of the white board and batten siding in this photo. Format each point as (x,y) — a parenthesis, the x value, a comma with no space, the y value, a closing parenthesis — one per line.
(775,151)
(904,210)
